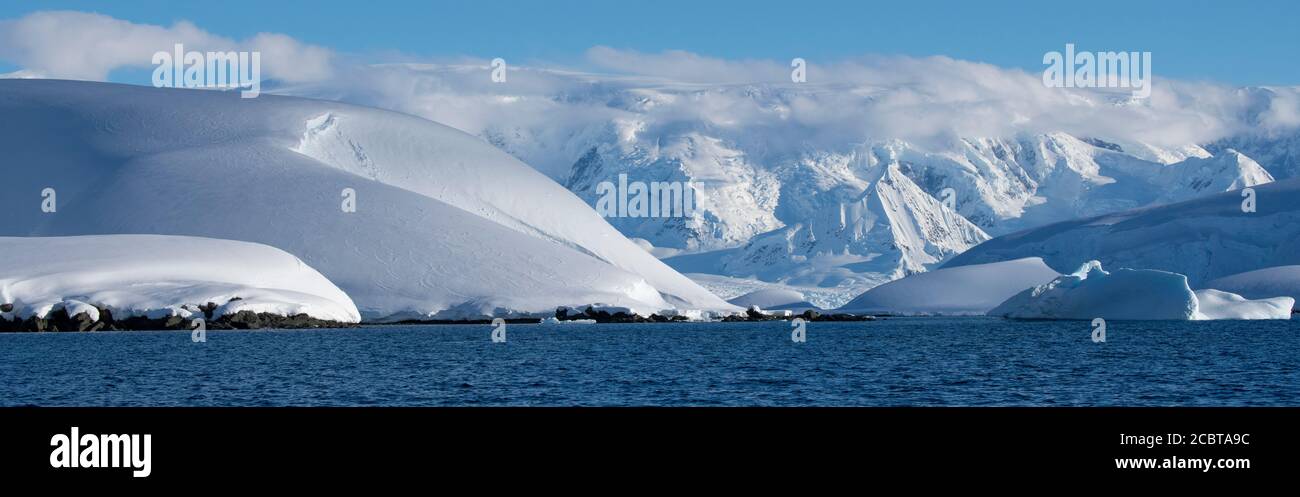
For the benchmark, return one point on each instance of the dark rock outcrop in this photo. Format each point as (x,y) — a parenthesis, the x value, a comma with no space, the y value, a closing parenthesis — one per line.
(59,320)
(603,316)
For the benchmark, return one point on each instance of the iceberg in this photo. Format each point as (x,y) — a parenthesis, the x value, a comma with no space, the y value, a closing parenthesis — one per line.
(1277,281)
(1205,238)
(1217,304)
(1132,294)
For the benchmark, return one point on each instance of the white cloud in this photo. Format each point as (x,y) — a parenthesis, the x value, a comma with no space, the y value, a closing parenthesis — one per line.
(548,113)
(686,67)
(752,103)
(87,46)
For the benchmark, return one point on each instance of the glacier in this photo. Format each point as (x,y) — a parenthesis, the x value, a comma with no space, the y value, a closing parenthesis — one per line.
(445,227)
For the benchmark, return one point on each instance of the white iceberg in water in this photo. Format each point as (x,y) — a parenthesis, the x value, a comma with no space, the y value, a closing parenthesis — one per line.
(1217,304)
(1134,294)
(157,277)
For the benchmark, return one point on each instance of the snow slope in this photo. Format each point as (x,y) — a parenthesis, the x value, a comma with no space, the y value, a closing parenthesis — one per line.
(161,276)
(964,290)
(729,288)
(1280,281)
(1204,238)
(445,225)
(773,299)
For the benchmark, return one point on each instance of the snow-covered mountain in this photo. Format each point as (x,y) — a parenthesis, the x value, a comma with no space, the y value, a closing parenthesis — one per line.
(1271,129)
(775,167)
(888,231)
(444,224)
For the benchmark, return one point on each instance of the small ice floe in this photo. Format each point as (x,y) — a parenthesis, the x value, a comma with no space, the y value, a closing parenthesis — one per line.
(553,321)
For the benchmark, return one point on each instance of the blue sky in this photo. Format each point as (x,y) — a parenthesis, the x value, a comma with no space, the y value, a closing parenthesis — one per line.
(1241,42)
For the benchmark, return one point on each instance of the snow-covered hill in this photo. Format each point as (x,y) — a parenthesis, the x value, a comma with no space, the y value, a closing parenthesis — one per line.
(962,290)
(445,225)
(155,277)
(1204,238)
(1271,129)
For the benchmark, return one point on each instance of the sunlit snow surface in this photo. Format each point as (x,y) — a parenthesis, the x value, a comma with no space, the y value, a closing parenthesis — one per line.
(161,276)
(1262,283)
(445,225)
(964,290)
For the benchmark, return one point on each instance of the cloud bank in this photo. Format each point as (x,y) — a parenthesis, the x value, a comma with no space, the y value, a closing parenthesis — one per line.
(86,46)
(548,115)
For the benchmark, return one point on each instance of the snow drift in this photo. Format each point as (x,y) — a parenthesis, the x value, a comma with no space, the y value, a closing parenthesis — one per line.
(161,276)
(965,290)
(1133,294)
(445,225)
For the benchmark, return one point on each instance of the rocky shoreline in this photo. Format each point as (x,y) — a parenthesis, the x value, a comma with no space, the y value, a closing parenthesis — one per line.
(808,315)
(602,316)
(60,321)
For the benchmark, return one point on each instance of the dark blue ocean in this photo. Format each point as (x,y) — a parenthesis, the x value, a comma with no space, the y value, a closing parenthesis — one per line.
(891,362)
